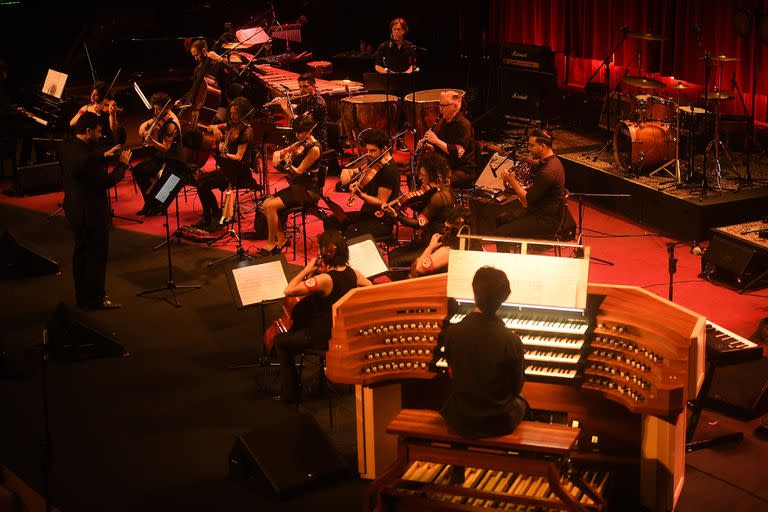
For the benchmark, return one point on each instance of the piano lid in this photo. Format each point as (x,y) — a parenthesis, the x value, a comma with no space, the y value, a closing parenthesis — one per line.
(534,279)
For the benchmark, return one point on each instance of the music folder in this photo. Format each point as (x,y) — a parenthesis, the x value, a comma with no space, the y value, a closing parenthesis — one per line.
(364,256)
(263,280)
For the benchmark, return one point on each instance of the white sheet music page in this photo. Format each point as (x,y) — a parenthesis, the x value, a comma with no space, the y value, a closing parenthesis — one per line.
(54,83)
(366,258)
(533,279)
(259,283)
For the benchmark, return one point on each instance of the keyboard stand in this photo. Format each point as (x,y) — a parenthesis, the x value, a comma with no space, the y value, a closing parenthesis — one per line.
(696,408)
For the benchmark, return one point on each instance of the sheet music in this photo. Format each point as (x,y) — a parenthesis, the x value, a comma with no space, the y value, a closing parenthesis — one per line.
(166,190)
(365,257)
(54,83)
(533,279)
(498,164)
(260,283)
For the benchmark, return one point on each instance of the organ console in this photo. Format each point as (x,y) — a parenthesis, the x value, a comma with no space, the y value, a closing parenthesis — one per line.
(617,361)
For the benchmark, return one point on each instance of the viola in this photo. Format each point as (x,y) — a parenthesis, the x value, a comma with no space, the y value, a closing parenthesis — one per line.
(293,309)
(366,173)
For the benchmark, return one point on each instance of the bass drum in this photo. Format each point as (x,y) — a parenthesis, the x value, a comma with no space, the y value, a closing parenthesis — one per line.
(365,111)
(643,147)
(423,111)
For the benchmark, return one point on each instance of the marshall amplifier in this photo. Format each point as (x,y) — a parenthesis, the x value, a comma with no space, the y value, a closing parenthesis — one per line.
(524,56)
(529,94)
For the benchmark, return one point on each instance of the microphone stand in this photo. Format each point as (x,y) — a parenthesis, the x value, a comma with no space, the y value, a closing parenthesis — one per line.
(672,267)
(580,228)
(46,446)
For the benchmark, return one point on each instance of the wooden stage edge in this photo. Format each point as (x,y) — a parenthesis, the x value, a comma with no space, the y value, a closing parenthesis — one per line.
(686,219)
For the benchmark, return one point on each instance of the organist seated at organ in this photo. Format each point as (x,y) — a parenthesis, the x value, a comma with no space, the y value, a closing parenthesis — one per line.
(486,364)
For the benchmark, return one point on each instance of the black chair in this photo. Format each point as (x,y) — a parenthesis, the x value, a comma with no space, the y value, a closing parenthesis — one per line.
(291,215)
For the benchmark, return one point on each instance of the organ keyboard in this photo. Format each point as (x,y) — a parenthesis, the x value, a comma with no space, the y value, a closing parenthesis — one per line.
(725,347)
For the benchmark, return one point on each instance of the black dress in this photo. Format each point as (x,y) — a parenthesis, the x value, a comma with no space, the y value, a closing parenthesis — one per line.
(306,187)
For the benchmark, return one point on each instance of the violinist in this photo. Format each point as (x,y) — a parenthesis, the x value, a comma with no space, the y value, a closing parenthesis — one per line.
(302,161)
(161,135)
(234,155)
(454,139)
(309,104)
(105,109)
(434,259)
(382,185)
(438,200)
(322,282)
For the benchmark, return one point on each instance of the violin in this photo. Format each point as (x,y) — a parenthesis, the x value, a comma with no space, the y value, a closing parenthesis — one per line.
(294,309)
(108,104)
(366,173)
(402,201)
(295,149)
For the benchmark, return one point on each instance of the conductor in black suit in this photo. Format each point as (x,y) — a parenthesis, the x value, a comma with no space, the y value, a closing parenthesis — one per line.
(86,182)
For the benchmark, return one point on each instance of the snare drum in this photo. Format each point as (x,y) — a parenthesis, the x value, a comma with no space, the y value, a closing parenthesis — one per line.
(643,147)
(367,111)
(426,109)
(653,108)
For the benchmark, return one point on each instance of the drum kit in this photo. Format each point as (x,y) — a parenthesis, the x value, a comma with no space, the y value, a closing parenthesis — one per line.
(661,129)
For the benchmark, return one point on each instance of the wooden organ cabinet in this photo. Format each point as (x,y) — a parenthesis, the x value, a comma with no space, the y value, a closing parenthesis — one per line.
(617,362)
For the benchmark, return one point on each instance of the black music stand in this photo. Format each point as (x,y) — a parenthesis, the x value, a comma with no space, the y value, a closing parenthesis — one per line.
(166,191)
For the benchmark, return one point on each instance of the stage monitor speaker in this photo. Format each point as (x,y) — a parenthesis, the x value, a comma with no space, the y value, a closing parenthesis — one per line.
(74,335)
(38,178)
(732,263)
(19,262)
(285,456)
(740,390)
(528,94)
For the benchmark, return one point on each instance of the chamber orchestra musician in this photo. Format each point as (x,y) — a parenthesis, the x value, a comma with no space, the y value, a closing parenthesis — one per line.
(310,103)
(381,185)
(86,206)
(396,54)
(301,161)
(486,363)
(161,134)
(434,258)
(209,63)
(105,109)
(324,280)
(540,208)
(454,138)
(437,199)
(234,138)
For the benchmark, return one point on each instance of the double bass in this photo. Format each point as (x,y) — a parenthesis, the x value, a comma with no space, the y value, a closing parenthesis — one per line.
(204,104)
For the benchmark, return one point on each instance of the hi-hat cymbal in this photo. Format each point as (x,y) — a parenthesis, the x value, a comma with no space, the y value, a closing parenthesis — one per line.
(718,96)
(645,36)
(679,85)
(722,58)
(643,82)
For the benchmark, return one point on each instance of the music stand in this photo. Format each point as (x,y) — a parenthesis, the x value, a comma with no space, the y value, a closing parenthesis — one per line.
(258,283)
(364,256)
(167,189)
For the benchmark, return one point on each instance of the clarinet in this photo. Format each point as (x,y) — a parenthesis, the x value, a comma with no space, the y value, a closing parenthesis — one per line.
(420,145)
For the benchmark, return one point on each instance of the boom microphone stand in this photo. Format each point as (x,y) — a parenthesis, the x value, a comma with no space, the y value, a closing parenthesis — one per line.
(580,228)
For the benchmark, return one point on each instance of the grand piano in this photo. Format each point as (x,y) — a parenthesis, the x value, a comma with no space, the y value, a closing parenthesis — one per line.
(617,362)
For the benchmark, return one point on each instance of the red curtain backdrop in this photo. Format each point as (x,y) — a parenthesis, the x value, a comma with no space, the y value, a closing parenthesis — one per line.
(588,29)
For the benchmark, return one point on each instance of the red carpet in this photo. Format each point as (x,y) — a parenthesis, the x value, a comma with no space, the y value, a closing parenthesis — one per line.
(638,260)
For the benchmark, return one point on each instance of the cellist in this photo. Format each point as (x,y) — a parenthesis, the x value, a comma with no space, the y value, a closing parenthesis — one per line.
(234,154)
(382,185)
(324,280)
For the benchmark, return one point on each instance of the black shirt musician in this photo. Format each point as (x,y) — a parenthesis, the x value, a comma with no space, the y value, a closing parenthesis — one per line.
(395,55)
(161,135)
(86,184)
(486,362)
(432,212)
(382,188)
(434,258)
(301,161)
(322,282)
(234,162)
(209,63)
(540,210)
(455,139)
(309,104)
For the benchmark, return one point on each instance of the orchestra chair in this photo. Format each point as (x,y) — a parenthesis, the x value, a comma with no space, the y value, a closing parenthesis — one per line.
(306,356)
(290,216)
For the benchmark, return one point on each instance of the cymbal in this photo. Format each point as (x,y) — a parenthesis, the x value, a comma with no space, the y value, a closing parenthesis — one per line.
(646,36)
(722,58)
(679,85)
(718,96)
(643,82)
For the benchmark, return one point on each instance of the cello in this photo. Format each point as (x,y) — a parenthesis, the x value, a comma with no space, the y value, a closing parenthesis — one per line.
(204,104)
